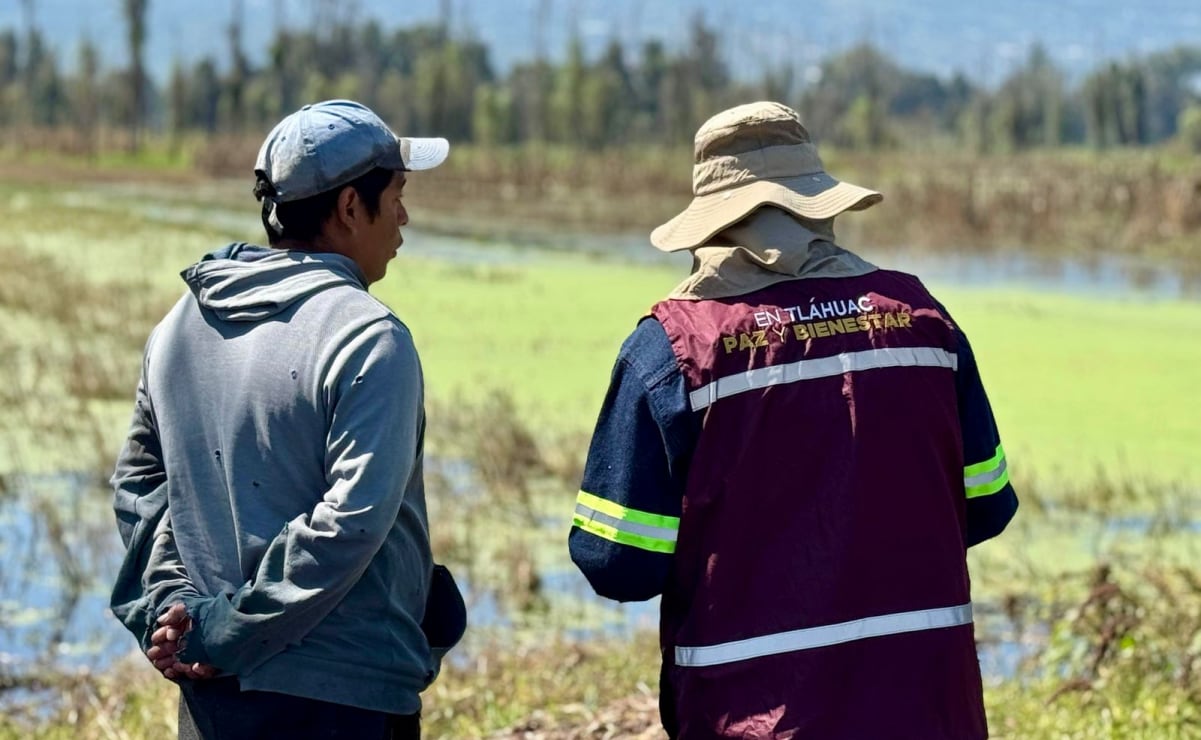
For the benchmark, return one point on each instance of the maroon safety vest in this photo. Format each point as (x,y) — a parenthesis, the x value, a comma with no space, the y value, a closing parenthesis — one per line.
(820,585)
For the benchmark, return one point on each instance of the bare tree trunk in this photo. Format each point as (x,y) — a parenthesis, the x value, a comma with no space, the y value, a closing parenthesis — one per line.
(535,118)
(239,69)
(26,67)
(135,18)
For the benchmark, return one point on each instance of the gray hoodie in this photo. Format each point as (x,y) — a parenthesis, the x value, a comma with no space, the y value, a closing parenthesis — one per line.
(272,482)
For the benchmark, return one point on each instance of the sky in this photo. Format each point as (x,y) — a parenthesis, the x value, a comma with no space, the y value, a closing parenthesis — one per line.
(984,41)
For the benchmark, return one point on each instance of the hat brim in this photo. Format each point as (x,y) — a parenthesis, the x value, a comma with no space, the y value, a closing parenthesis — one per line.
(813,196)
(423,154)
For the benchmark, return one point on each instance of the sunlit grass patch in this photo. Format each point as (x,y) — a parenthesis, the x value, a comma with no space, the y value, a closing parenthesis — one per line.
(1082,387)
(1088,386)
(546,332)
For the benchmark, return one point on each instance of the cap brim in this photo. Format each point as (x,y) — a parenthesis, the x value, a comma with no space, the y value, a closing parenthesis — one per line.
(814,196)
(423,154)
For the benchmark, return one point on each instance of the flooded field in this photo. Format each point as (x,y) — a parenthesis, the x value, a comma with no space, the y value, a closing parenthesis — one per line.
(1093,386)
(54,613)
(222,208)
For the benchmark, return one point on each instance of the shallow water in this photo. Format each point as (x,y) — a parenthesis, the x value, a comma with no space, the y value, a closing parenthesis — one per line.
(208,206)
(59,553)
(54,587)
(46,624)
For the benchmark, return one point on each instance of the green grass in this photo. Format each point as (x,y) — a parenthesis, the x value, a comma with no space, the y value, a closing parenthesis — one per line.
(1094,397)
(608,686)
(546,332)
(1081,387)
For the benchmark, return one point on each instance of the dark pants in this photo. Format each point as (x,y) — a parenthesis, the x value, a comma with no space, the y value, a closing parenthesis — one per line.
(667,701)
(217,709)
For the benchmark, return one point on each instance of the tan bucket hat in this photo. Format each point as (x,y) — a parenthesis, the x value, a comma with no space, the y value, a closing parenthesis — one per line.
(750,156)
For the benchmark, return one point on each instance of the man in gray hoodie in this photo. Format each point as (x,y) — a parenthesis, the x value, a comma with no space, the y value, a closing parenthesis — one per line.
(270,491)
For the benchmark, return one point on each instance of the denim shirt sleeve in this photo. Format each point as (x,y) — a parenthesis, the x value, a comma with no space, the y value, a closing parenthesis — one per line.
(628,508)
(991,500)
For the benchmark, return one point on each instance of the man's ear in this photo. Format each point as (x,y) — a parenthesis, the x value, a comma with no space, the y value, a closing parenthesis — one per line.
(349,209)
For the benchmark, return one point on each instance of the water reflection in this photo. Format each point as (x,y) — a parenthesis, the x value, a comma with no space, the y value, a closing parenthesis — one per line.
(60,553)
(1089,274)
(57,557)
(1093,273)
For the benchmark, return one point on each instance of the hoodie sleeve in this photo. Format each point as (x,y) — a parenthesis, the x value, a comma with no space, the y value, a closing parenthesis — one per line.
(139,478)
(151,575)
(375,407)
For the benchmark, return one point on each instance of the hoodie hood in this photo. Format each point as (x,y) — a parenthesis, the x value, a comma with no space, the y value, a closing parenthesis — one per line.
(244,282)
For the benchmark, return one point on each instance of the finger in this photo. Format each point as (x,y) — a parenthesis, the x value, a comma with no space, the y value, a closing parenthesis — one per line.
(203,671)
(160,660)
(165,634)
(162,649)
(175,614)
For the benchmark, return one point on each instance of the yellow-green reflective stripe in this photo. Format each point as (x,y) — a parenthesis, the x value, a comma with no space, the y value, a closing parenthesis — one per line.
(982,467)
(626,514)
(644,530)
(988,477)
(987,489)
(622,538)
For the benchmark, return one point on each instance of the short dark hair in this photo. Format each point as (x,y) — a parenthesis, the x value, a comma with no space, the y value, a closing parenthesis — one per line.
(302,219)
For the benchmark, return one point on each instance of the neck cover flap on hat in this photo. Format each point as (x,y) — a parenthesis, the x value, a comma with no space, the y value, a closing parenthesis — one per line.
(768,247)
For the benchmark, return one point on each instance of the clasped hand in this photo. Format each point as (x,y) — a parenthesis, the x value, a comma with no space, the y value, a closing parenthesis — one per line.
(166,644)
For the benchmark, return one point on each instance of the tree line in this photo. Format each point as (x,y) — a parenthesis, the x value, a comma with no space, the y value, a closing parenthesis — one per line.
(426,79)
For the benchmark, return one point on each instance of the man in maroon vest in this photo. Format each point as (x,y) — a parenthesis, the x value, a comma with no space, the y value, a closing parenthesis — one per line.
(796,451)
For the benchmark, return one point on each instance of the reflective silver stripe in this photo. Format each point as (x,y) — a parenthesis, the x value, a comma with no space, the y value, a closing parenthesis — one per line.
(823,367)
(830,634)
(988,476)
(624,525)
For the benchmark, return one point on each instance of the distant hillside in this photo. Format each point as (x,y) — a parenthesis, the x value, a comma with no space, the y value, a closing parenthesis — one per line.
(983,40)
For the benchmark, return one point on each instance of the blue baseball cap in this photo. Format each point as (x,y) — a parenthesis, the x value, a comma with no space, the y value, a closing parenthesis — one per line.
(328,144)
